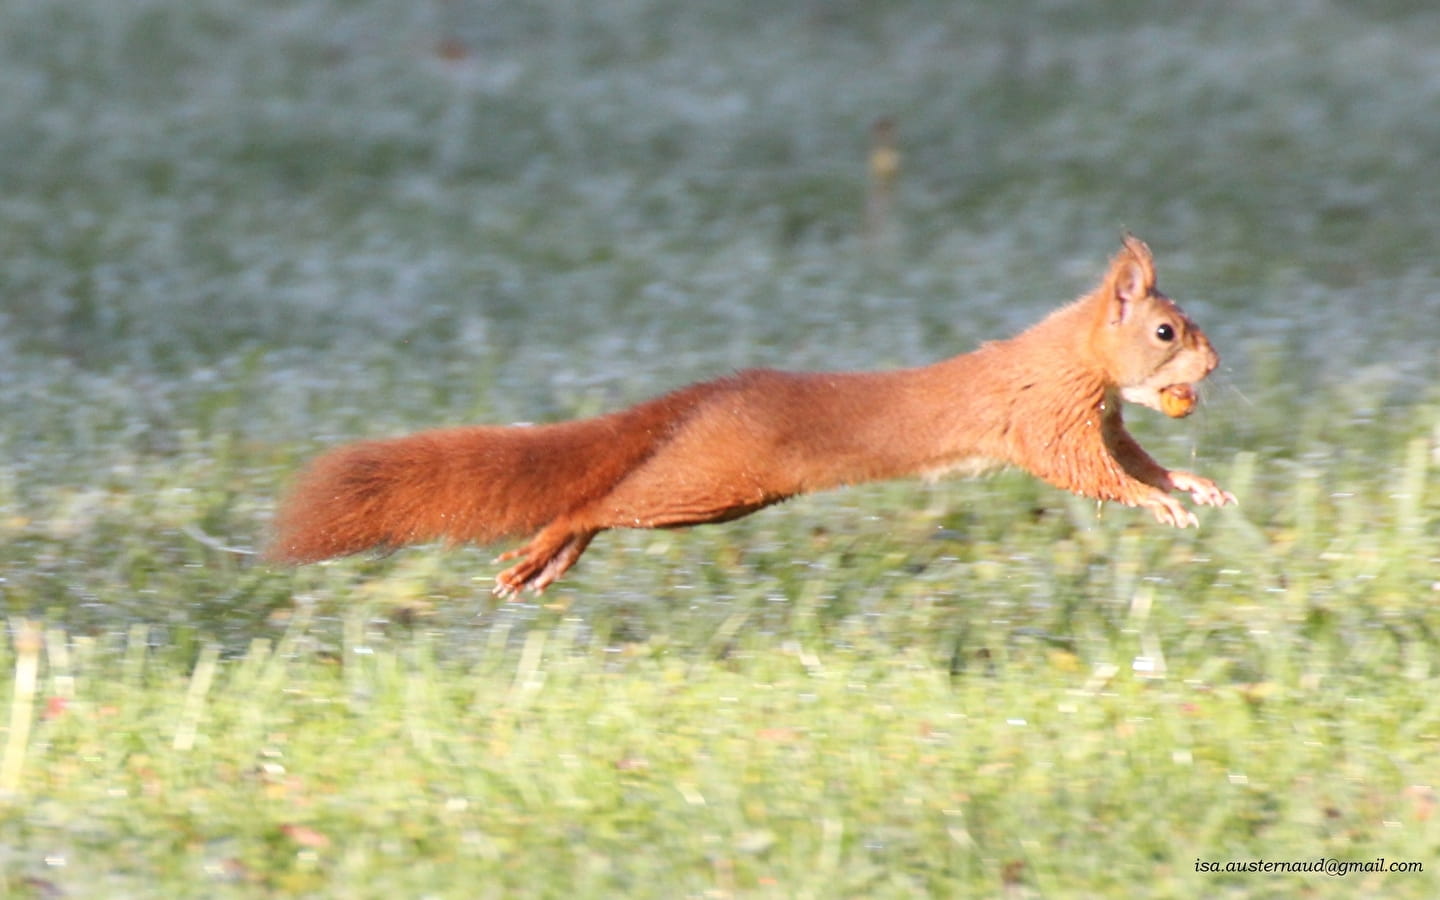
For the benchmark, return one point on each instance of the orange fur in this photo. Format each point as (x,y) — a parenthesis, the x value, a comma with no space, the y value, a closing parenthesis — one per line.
(1047,401)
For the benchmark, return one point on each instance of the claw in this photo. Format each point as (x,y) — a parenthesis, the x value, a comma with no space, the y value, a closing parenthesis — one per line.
(1202,490)
(1169,511)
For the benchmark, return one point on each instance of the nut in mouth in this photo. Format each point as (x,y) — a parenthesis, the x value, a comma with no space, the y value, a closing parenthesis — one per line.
(1178,400)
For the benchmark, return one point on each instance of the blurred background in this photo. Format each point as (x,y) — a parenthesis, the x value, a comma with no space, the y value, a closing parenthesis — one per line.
(234,233)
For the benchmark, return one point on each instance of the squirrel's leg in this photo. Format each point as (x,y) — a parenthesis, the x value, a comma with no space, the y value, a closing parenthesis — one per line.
(1148,484)
(547,556)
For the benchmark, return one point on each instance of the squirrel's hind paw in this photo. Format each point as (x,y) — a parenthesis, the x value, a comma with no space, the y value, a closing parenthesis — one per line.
(542,562)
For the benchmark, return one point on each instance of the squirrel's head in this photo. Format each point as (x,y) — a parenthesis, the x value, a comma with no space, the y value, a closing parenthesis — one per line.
(1150,349)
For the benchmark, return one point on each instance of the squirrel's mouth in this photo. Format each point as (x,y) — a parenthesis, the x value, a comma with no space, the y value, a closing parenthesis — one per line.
(1175,400)
(1178,400)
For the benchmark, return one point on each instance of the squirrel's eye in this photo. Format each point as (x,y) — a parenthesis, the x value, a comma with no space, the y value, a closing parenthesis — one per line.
(1165,333)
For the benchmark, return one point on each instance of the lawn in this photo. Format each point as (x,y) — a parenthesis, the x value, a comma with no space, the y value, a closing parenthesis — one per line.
(235,234)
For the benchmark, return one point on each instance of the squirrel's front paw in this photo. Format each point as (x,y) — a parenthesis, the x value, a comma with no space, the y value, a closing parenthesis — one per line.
(1169,511)
(1202,490)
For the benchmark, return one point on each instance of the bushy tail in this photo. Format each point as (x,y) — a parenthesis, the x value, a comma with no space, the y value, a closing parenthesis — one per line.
(477,484)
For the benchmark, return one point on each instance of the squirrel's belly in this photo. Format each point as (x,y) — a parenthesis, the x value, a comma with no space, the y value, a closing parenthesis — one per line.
(965,467)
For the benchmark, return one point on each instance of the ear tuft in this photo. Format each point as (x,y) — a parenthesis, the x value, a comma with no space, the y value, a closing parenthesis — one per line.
(1132,272)
(1139,250)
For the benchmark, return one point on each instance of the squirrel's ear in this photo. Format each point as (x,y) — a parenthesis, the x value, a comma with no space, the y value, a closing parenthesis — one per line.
(1131,277)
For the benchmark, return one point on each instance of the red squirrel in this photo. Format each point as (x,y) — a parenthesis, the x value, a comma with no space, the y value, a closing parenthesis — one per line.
(1046,401)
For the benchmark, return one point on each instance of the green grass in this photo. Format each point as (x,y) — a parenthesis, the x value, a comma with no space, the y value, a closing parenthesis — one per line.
(237,233)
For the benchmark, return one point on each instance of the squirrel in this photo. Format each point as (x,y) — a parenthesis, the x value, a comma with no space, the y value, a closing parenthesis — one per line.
(1047,401)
